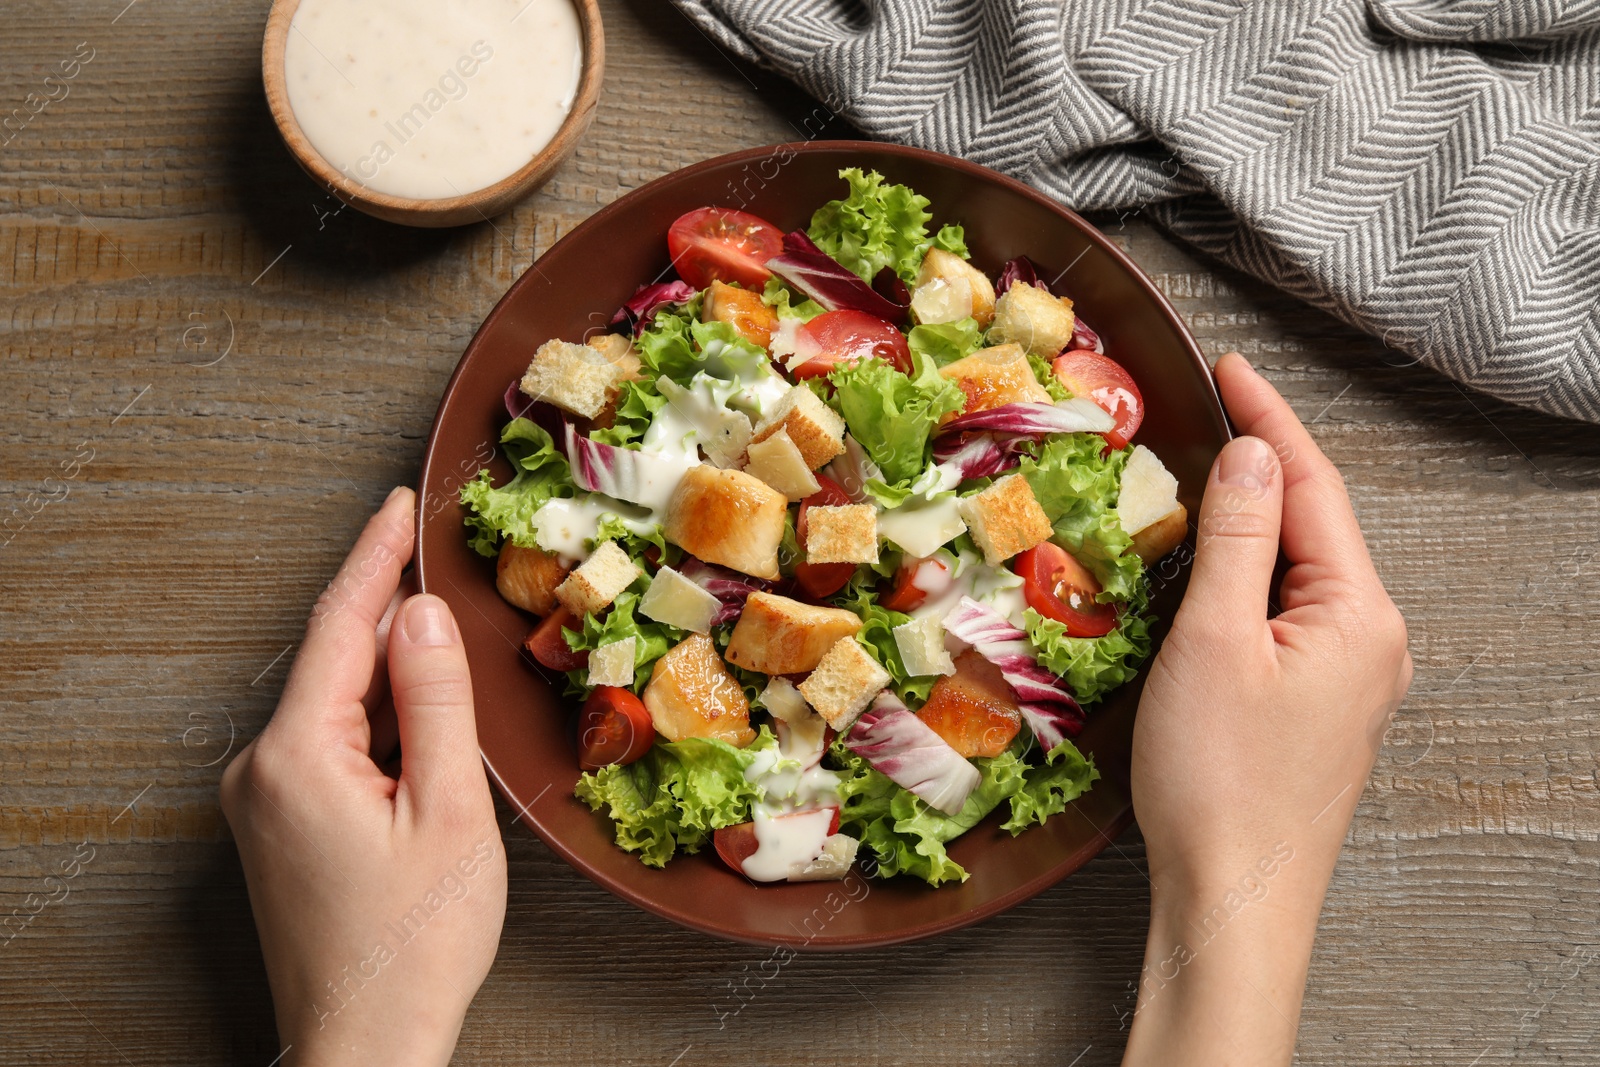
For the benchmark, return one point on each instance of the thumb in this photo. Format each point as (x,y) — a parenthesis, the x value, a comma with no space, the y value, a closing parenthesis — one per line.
(1237,543)
(432,692)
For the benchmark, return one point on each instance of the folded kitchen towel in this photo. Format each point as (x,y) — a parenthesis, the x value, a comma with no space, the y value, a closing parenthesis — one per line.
(1428,170)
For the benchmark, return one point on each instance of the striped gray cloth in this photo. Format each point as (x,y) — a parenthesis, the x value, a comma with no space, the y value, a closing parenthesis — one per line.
(1428,170)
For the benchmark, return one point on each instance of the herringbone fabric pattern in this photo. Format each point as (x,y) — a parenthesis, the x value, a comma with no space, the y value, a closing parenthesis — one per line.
(1428,170)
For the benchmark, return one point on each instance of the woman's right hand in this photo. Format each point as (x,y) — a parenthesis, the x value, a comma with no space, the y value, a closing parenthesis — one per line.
(1254,739)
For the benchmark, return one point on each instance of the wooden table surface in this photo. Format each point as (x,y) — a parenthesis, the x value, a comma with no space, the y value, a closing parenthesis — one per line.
(212,376)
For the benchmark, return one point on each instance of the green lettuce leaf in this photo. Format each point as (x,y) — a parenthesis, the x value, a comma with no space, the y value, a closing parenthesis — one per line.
(1093,666)
(879,225)
(612,528)
(507,511)
(724,353)
(676,795)
(946,342)
(652,639)
(1065,775)
(637,404)
(666,346)
(905,835)
(1078,487)
(781,300)
(891,414)
(1047,378)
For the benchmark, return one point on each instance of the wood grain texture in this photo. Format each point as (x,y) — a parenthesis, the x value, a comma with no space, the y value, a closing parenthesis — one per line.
(235,373)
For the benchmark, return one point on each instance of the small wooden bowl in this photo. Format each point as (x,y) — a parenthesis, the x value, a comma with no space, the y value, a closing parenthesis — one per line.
(477,206)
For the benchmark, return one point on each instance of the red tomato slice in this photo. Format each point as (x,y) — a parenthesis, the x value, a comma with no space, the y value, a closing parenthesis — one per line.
(836,337)
(1060,588)
(720,244)
(613,727)
(546,645)
(1103,380)
(907,595)
(820,580)
(737,843)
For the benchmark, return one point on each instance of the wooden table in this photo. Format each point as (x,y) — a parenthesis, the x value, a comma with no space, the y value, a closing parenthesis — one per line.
(212,376)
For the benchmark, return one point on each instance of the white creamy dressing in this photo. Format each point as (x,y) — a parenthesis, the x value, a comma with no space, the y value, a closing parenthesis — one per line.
(798,799)
(997,587)
(431,98)
(700,416)
(566,524)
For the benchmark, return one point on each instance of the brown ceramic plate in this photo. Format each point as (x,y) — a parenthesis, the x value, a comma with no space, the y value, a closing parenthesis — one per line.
(570,292)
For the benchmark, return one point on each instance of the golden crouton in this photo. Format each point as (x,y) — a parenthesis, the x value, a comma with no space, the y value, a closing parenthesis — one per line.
(578,379)
(743,309)
(1034,319)
(591,588)
(843,534)
(815,428)
(527,577)
(727,517)
(949,289)
(995,377)
(1005,519)
(776,635)
(844,683)
(691,694)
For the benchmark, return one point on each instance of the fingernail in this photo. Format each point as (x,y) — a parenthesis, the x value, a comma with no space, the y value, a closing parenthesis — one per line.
(1245,461)
(396,491)
(426,621)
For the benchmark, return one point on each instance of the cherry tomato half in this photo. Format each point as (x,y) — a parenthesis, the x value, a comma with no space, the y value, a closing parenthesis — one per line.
(720,244)
(737,843)
(1103,380)
(546,645)
(821,579)
(912,583)
(613,727)
(836,337)
(1060,588)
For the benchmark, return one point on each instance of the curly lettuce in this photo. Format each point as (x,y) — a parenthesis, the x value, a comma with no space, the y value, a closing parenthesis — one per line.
(1077,486)
(1093,666)
(651,639)
(637,404)
(781,300)
(945,342)
(879,225)
(905,835)
(1065,775)
(506,512)
(676,795)
(892,414)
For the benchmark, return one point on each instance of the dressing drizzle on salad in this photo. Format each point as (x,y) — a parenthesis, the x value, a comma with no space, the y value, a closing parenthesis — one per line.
(834,537)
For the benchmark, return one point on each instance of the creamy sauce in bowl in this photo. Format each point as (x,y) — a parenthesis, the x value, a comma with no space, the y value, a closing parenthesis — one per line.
(430,99)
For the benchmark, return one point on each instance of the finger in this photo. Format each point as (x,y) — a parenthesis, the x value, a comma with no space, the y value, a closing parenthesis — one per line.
(333,669)
(1237,542)
(432,690)
(378,691)
(1319,525)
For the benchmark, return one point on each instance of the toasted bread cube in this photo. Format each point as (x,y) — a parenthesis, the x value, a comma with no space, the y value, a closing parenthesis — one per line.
(527,577)
(1162,536)
(619,351)
(844,683)
(1148,493)
(691,694)
(575,378)
(727,517)
(815,428)
(612,664)
(1033,318)
(1005,519)
(776,635)
(994,377)
(677,601)
(779,463)
(743,309)
(591,588)
(846,533)
(949,289)
(921,645)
